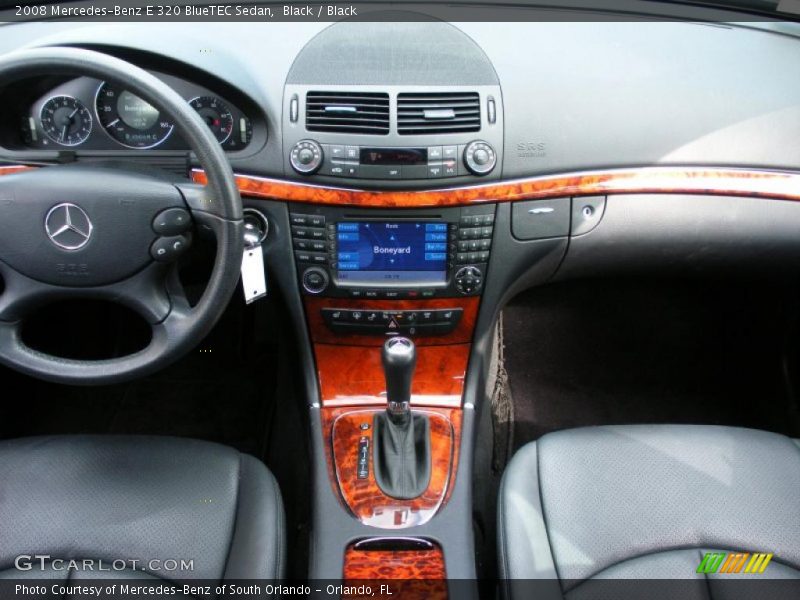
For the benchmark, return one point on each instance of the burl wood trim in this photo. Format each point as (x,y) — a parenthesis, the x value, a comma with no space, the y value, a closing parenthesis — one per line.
(414,574)
(353,375)
(11,169)
(782,185)
(342,430)
(321,333)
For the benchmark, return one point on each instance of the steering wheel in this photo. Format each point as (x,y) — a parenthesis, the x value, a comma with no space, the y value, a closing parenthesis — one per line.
(113,233)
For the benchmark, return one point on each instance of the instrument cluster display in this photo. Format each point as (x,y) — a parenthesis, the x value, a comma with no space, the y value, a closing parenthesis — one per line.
(85,113)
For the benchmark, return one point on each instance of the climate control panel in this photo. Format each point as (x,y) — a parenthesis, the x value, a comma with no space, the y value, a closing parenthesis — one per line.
(477,158)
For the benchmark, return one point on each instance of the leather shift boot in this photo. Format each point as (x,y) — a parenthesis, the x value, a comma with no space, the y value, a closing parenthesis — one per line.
(402,456)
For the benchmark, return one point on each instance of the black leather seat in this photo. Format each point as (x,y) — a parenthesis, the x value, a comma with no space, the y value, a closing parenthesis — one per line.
(647,502)
(138,499)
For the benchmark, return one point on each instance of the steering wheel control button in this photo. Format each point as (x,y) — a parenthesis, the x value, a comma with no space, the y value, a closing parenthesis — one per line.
(469,280)
(586,213)
(480,158)
(315,280)
(172,221)
(167,249)
(68,226)
(306,157)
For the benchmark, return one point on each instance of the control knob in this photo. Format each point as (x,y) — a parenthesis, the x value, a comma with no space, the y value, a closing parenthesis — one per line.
(306,157)
(315,280)
(468,280)
(479,157)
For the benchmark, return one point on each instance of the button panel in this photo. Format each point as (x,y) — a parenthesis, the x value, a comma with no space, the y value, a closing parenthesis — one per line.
(443,162)
(387,322)
(466,238)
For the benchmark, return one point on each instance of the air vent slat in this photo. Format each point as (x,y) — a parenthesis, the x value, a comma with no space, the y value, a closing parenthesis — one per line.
(435,112)
(348,112)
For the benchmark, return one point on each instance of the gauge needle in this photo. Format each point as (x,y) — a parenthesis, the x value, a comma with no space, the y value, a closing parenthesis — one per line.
(114,122)
(64,131)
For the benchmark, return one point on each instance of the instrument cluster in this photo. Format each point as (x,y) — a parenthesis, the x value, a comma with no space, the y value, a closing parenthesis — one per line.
(86,113)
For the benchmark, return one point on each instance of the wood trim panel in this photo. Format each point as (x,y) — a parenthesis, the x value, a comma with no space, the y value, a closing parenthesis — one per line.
(781,185)
(11,169)
(414,574)
(758,183)
(322,334)
(353,375)
(343,428)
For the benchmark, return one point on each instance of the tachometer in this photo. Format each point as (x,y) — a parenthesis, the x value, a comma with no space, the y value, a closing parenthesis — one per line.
(129,119)
(66,120)
(216,115)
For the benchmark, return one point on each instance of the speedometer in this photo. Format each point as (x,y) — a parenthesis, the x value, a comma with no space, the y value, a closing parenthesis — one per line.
(129,119)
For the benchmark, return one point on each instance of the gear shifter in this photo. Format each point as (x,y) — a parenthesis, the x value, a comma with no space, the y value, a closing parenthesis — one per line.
(402,439)
(399,360)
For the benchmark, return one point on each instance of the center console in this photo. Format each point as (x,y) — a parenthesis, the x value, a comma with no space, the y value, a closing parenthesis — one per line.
(341,253)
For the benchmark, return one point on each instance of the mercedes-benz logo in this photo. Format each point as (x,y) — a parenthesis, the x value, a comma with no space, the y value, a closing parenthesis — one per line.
(68,226)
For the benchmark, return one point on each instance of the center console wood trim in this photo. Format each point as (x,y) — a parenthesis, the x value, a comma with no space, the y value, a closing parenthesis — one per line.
(415,574)
(760,183)
(353,375)
(342,430)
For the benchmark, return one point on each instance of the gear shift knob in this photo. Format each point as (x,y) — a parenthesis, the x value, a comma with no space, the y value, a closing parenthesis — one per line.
(399,358)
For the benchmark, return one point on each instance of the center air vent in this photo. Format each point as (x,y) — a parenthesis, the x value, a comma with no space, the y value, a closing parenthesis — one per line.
(348,112)
(446,112)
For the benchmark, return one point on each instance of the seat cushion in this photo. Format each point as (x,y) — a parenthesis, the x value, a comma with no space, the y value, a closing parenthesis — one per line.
(647,502)
(139,499)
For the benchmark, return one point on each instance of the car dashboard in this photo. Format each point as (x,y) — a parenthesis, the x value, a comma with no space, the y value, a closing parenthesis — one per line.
(410,177)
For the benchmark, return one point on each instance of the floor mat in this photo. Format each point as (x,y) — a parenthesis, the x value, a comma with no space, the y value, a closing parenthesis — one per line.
(593,353)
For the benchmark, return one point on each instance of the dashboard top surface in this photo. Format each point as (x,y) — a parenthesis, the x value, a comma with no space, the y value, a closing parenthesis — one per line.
(574,96)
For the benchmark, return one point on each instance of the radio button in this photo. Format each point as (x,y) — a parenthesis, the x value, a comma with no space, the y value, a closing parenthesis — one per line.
(391,295)
(434,154)
(371,294)
(428,293)
(394,172)
(301,232)
(356,293)
(350,169)
(317,234)
(296,219)
(319,258)
(450,168)
(315,280)
(303,257)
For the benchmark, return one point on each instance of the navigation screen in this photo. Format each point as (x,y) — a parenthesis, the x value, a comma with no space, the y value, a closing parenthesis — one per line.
(378,252)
